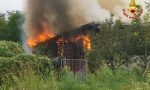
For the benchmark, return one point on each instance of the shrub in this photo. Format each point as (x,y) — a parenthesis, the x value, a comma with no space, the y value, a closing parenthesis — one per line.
(94,60)
(21,64)
(9,49)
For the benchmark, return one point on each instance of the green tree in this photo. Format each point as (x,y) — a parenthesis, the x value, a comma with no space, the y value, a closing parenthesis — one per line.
(3,25)
(10,26)
(14,25)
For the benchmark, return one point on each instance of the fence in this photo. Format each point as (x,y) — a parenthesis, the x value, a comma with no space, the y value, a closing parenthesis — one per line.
(79,67)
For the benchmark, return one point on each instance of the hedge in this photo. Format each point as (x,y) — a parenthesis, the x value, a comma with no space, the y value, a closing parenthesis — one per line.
(9,49)
(22,64)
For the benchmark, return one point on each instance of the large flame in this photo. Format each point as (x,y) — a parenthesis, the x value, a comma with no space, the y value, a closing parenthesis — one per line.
(32,42)
(42,37)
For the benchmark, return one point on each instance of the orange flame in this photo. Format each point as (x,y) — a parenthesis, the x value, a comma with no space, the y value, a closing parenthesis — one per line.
(42,37)
(85,39)
(86,42)
(32,42)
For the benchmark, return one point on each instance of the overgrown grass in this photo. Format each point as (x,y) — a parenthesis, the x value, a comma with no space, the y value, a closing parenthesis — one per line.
(104,79)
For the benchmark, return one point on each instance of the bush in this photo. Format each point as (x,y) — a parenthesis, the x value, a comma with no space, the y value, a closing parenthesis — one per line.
(94,60)
(21,64)
(9,49)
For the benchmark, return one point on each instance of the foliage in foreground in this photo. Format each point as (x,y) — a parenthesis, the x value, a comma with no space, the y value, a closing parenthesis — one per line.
(19,64)
(101,80)
(9,49)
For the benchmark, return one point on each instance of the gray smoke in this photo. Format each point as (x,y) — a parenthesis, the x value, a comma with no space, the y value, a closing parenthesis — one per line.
(64,15)
(60,15)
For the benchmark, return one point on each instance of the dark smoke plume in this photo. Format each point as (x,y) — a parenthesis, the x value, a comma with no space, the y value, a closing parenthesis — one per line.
(60,15)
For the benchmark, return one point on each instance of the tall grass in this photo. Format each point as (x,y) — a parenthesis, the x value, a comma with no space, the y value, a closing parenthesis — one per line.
(104,79)
(30,81)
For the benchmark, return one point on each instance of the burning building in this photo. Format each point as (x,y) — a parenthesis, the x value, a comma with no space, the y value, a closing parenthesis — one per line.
(69,45)
(51,24)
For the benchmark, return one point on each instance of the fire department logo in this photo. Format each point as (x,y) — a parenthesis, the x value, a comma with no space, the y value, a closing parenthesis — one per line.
(134,11)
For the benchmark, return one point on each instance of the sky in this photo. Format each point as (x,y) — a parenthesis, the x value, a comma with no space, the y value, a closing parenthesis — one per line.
(8,5)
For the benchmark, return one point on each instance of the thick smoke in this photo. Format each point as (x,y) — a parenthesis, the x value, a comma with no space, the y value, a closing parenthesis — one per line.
(111,5)
(64,15)
(61,15)
(115,7)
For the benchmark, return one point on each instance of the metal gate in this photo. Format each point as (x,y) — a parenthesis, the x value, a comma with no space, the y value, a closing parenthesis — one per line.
(77,66)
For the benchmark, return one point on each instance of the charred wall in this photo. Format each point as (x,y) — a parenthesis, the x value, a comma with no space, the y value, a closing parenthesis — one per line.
(66,49)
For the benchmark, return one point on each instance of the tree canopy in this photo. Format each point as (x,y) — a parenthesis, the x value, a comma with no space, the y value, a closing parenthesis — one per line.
(11,26)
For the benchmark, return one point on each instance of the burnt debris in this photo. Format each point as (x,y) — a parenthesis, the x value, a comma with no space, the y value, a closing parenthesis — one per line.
(85,29)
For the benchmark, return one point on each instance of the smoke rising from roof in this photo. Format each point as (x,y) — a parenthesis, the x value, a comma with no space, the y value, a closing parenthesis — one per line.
(60,15)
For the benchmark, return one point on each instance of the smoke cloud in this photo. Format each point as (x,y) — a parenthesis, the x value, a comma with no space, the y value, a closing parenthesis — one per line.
(64,15)
(60,15)
(111,5)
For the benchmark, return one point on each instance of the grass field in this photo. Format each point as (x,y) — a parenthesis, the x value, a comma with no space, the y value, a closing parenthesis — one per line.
(101,80)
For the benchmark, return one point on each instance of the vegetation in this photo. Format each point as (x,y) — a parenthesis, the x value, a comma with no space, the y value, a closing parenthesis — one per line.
(117,42)
(101,80)
(11,26)
(14,62)
(9,49)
